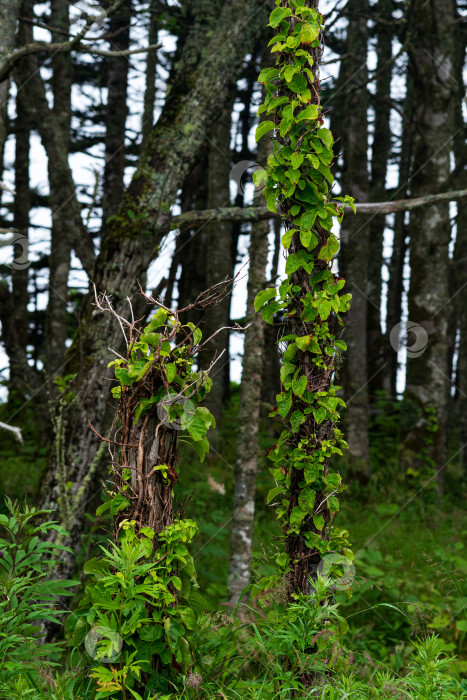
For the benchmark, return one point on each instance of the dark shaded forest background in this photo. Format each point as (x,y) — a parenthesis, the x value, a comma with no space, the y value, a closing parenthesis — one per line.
(119,166)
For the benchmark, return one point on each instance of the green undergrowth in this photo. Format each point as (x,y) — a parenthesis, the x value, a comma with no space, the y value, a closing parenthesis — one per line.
(410,549)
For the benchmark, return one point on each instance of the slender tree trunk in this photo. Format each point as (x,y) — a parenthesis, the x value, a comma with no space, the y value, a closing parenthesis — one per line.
(15,321)
(61,242)
(428,380)
(151,75)
(116,113)
(379,161)
(219,263)
(13,305)
(190,251)
(130,241)
(63,200)
(399,245)
(249,413)
(355,241)
(9,12)
(459,262)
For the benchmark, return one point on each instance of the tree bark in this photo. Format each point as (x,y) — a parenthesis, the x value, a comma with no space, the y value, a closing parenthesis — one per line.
(258,213)
(151,76)
(9,12)
(219,265)
(116,112)
(379,161)
(246,465)
(428,380)
(399,244)
(61,242)
(459,262)
(15,319)
(355,243)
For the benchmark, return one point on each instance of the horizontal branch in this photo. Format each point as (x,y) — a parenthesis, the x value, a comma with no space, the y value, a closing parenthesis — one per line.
(243,215)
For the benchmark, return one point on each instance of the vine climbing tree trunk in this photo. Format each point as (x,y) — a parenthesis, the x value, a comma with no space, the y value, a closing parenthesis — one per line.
(201,81)
(297,183)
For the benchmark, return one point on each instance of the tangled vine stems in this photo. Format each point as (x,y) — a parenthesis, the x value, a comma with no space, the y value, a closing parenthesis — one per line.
(297,183)
(159,393)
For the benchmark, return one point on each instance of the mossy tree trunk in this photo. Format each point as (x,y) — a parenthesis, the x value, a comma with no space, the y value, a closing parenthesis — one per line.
(246,464)
(204,75)
(428,380)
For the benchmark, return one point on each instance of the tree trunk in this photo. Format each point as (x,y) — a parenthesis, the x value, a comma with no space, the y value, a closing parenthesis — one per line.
(249,413)
(459,262)
(399,245)
(379,162)
(428,380)
(61,241)
(116,112)
(219,263)
(355,242)
(131,239)
(13,306)
(9,12)
(15,322)
(147,122)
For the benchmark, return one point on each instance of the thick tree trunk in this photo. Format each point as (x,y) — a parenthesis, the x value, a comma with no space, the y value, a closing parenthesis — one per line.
(131,240)
(249,413)
(428,380)
(355,242)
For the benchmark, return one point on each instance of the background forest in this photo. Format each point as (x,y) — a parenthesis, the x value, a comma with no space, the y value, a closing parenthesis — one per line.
(129,164)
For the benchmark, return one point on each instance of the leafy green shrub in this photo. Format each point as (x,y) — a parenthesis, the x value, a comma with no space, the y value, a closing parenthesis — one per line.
(27,596)
(139,611)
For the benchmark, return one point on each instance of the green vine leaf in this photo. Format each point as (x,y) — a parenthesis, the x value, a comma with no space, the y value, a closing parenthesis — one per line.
(263,297)
(328,251)
(278,15)
(263,128)
(310,113)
